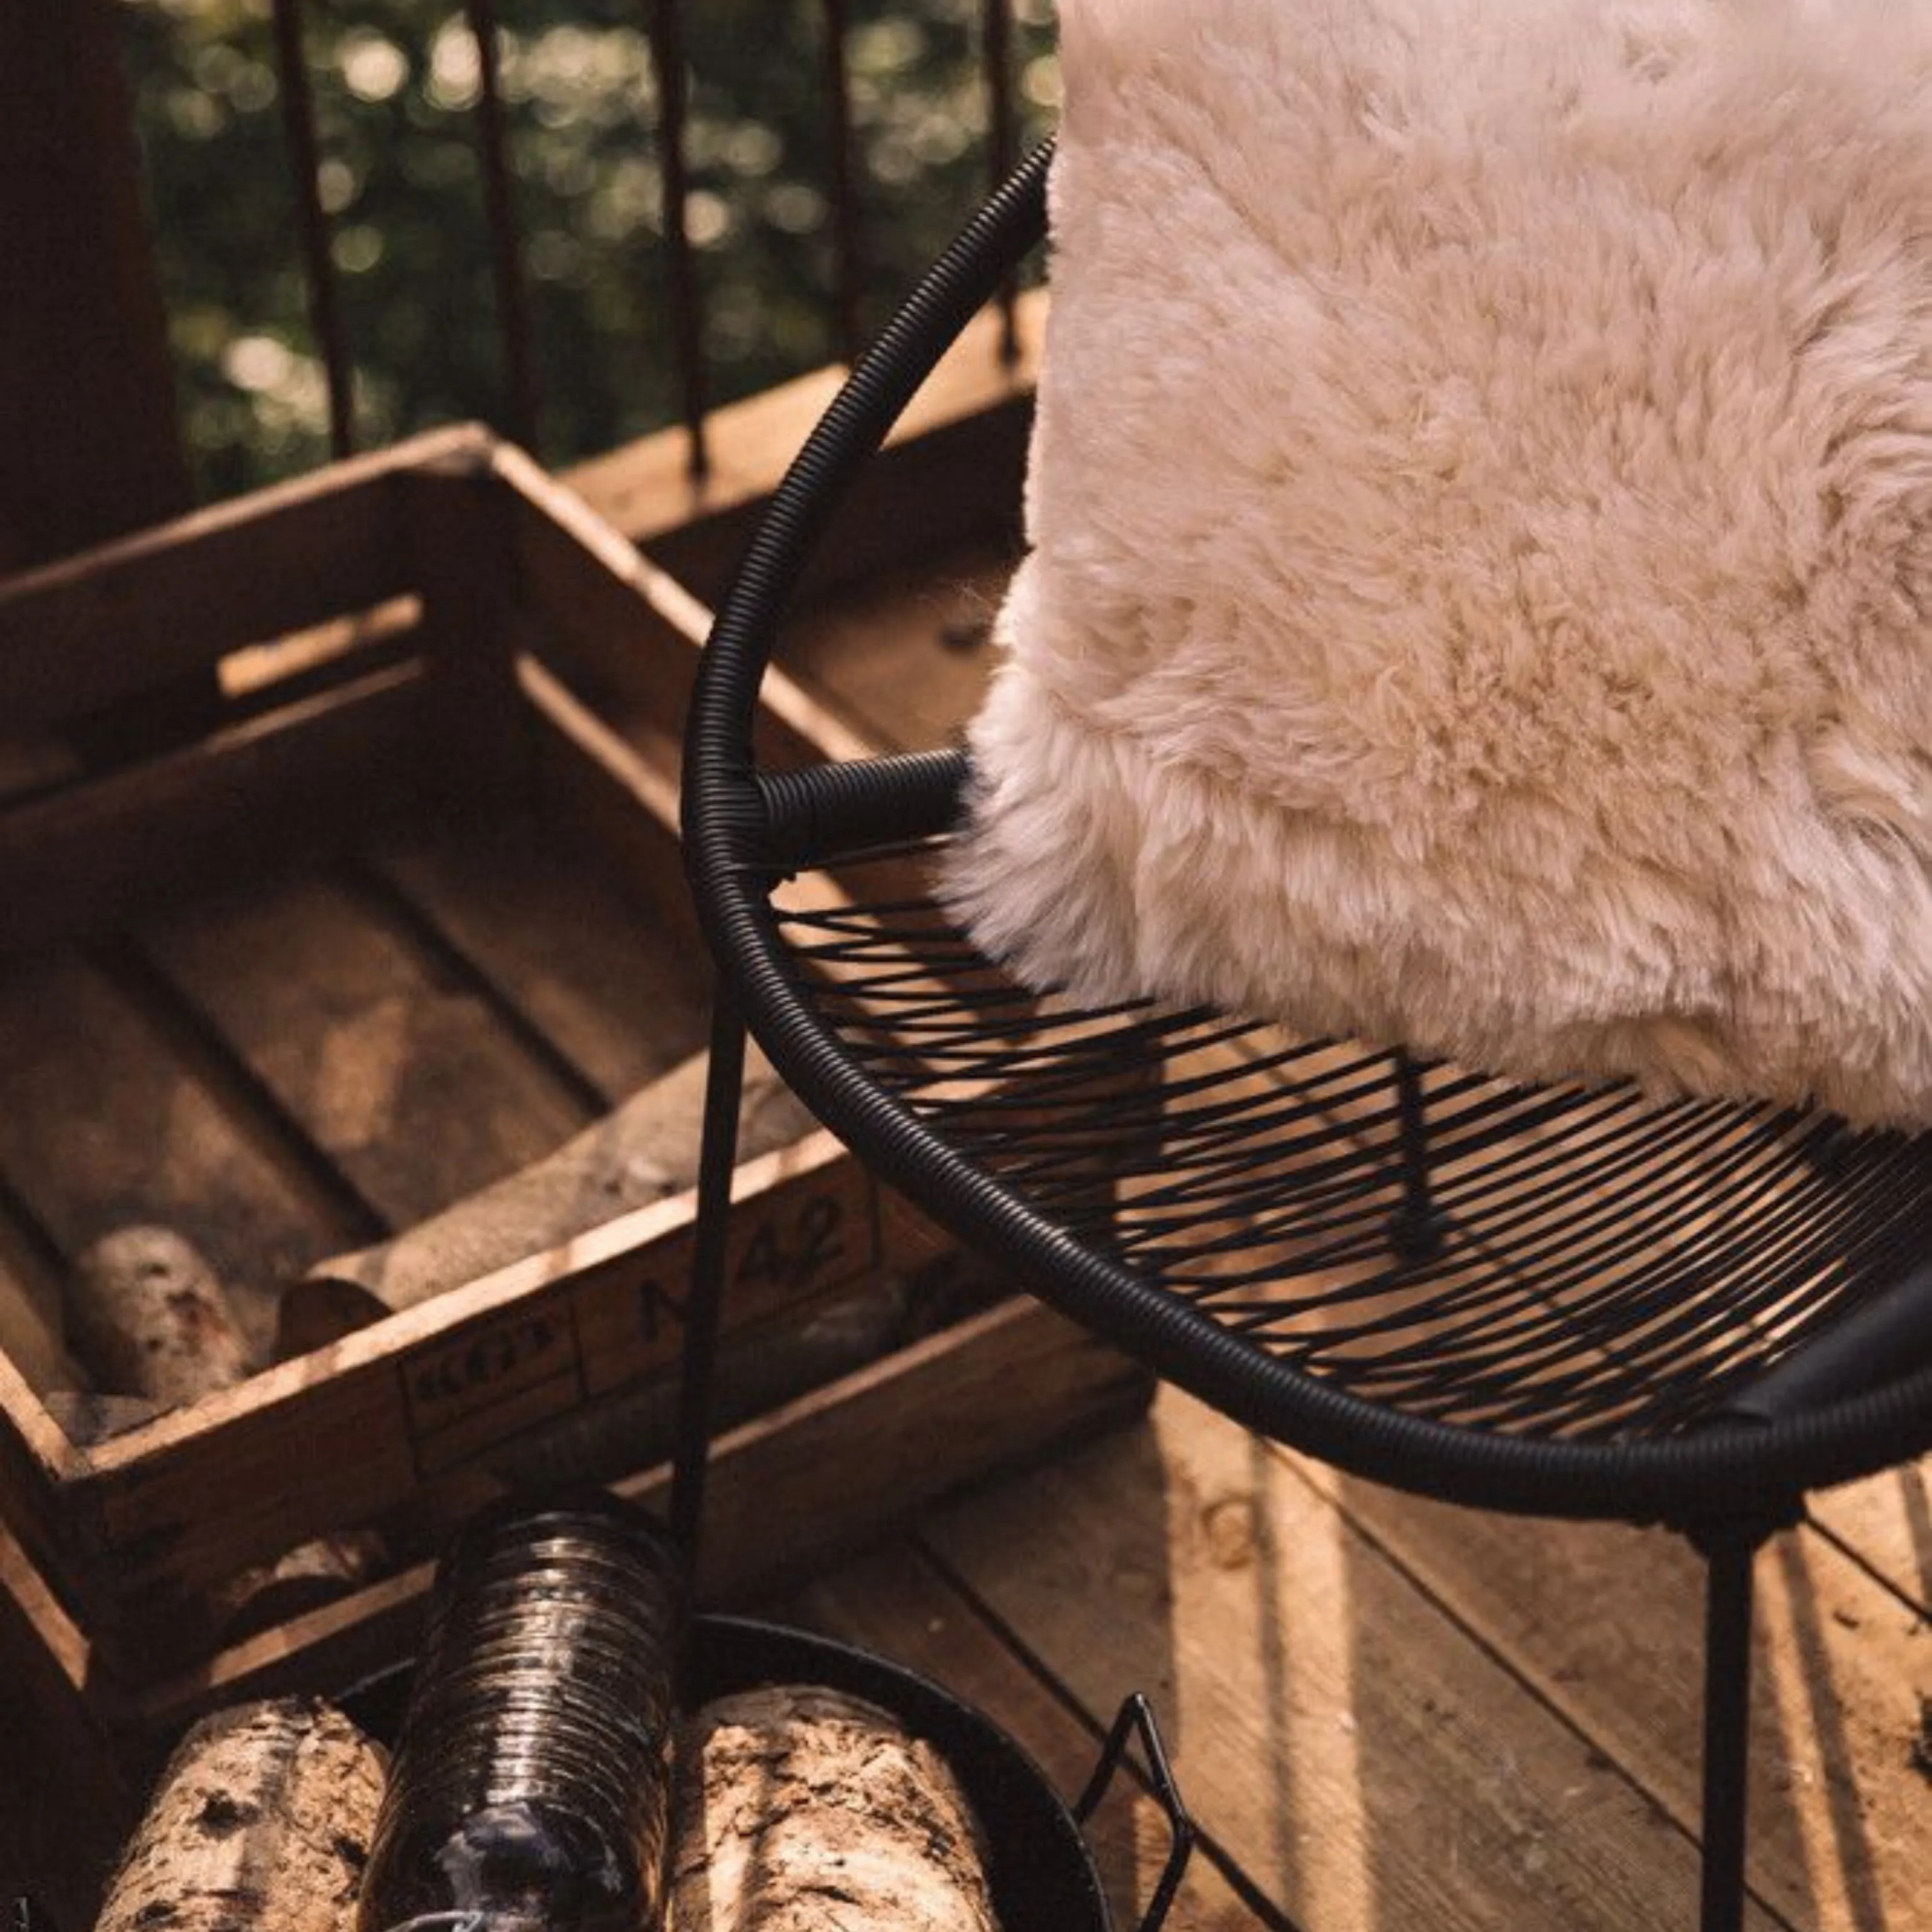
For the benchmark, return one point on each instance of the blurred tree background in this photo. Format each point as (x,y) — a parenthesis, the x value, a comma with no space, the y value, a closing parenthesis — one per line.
(395,84)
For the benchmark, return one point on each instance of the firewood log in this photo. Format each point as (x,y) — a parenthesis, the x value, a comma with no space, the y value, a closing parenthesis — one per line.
(147,1315)
(646,1147)
(262,1817)
(799,1808)
(151,1319)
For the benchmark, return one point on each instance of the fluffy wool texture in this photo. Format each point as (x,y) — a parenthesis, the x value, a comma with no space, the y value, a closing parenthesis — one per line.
(1480,588)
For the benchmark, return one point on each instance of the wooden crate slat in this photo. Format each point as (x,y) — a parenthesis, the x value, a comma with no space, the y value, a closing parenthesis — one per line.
(36,1465)
(590,602)
(620,608)
(78,636)
(311,776)
(459,523)
(403,1073)
(593,787)
(549,925)
(631,628)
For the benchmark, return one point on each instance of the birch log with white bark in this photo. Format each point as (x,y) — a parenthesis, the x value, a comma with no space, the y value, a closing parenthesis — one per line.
(262,1818)
(801,1809)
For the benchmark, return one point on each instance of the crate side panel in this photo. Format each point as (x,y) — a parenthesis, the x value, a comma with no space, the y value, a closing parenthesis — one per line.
(831,1471)
(335,1437)
(303,780)
(82,636)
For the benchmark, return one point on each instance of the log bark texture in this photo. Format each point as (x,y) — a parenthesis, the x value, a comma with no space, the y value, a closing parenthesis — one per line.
(262,1817)
(645,1148)
(149,1317)
(801,1809)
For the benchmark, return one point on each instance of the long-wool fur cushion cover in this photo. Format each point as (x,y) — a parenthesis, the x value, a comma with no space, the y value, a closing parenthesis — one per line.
(1479,583)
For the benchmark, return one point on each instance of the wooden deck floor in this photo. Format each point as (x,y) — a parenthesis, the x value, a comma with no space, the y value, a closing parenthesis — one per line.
(1387,1714)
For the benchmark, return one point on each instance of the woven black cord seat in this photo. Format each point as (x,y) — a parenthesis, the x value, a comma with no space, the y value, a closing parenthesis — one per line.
(1568,1301)
(1565,1265)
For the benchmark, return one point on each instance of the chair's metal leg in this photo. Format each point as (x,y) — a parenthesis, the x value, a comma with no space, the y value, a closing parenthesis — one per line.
(1415,1228)
(717,1158)
(1729,1553)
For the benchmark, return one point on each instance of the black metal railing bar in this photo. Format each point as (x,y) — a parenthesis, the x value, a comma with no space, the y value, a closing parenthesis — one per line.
(678,302)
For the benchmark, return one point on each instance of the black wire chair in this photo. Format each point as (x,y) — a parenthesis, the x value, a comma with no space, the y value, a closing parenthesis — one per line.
(1569,1302)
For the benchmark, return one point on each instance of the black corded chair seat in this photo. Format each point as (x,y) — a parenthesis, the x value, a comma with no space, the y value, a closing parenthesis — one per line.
(1570,1302)
(1539,1300)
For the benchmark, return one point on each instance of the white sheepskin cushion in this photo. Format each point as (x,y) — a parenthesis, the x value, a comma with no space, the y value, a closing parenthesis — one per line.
(1480,588)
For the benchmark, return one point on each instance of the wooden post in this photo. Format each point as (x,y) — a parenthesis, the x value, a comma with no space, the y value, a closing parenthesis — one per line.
(89,444)
(461,525)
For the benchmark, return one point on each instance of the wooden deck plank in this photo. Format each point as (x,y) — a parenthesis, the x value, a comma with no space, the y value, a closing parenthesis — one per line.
(905,657)
(1605,1622)
(953,461)
(895,1602)
(401,1071)
(1367,1763)
(1885,1523)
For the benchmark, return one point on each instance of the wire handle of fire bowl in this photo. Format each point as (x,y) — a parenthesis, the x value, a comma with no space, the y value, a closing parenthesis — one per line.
(1135,1717)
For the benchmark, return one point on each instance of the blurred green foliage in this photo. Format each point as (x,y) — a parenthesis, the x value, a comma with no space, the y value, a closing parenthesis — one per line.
(395,83)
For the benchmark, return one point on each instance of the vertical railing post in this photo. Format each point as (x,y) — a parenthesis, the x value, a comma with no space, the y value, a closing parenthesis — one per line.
(847,270)
(1002,145)
(500,205)
(666,38)
(325,314)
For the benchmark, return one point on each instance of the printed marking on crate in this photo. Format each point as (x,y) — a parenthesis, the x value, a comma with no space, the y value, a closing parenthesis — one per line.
(551,1353)
(793,1243)
(493,1381)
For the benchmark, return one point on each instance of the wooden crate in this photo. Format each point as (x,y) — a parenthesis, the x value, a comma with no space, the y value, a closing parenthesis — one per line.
(432,694)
